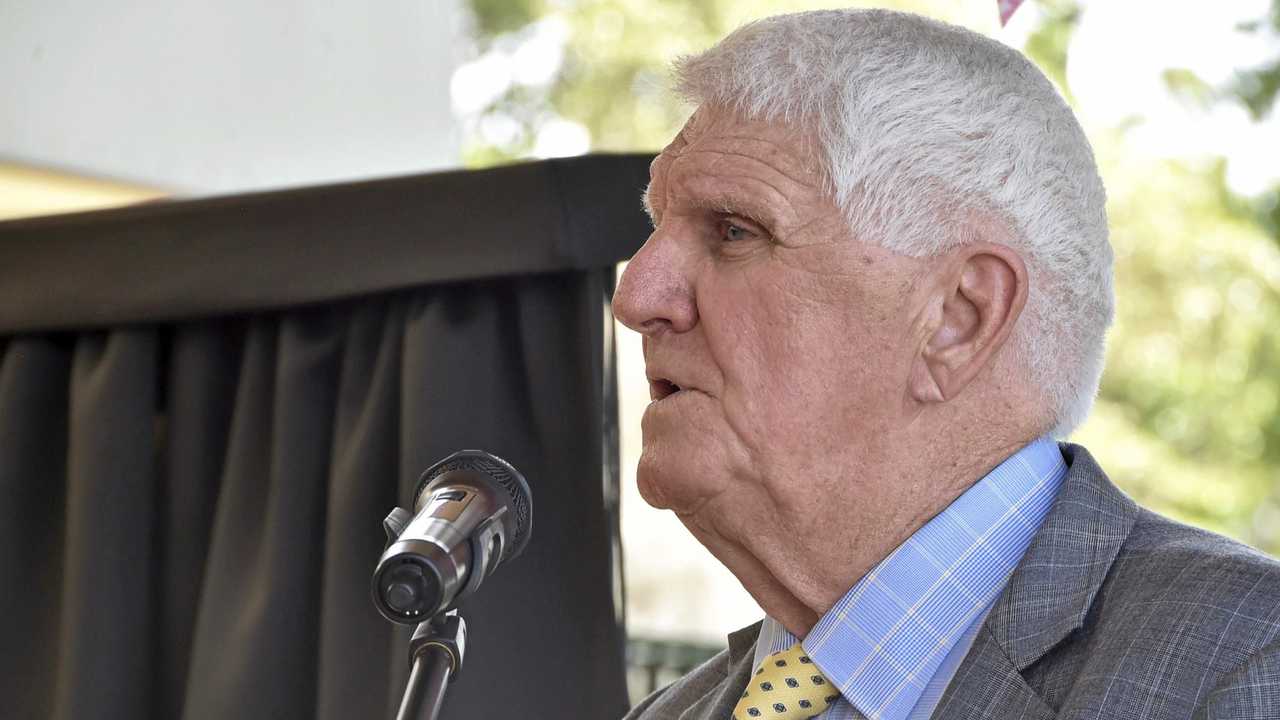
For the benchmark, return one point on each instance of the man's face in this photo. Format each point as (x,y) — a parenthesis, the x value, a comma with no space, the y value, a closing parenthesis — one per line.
(777,344)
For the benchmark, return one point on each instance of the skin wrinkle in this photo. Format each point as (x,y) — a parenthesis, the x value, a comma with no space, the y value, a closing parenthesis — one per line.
(719,194)
(680,147)
(745,155)
(837,389)
(753,573)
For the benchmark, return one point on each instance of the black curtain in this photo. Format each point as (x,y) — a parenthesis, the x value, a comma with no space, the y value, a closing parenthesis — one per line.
(190,506)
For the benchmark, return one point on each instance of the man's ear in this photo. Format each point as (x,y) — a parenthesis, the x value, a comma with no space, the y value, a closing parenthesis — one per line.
(975,300)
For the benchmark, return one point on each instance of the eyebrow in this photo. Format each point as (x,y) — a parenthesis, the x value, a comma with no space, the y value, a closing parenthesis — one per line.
(733,203)
(723,201)
(726,205)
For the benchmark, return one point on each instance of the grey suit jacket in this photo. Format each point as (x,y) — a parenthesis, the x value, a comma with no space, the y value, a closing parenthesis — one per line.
(1114,612)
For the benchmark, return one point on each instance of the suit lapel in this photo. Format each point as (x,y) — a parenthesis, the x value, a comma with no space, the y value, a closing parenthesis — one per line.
(719,701)
(1047,597)
(988,685)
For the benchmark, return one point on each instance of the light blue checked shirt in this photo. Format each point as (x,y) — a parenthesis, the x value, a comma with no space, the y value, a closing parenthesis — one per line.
(894,641)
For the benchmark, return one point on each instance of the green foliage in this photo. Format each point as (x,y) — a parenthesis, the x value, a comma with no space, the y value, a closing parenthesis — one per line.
(615,71)
(1258,87)
(1188,418)
(1047,46)
(1185,85)
(494,17)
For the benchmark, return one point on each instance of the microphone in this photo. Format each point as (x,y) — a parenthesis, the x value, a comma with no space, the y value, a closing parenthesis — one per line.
(472,512)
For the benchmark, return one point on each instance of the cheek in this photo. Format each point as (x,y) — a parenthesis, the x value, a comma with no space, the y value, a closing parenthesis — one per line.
(803,373)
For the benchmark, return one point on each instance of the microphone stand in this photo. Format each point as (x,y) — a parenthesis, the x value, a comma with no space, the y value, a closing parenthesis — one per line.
(435,657)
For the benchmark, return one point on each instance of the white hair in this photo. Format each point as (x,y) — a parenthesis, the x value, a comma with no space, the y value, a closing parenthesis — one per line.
(932,136)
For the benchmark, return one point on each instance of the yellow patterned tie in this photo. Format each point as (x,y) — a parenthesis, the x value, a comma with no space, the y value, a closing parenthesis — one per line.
(786,686)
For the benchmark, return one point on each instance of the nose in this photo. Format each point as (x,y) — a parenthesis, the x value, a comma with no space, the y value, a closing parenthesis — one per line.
(656,290)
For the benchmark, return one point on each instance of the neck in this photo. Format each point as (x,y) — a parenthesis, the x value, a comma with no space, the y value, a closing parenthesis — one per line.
(798,565)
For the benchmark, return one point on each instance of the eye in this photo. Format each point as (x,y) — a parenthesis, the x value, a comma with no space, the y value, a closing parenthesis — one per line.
(733,232)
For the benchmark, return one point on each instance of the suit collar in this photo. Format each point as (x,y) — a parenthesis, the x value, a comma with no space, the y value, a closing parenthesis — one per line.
(742,643)
(1047,598)
(719,701)
(1051,590)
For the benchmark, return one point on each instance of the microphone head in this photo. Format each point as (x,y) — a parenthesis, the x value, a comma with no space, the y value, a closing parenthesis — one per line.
(491,471)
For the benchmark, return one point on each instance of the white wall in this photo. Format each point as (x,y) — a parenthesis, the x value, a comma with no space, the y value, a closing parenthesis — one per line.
(225,95)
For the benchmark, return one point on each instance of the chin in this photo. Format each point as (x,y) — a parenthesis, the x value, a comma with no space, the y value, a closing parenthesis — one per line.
(649,481)
(682,463)
(669,485)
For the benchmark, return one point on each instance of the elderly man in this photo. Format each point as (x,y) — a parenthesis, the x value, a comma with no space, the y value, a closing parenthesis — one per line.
(877,287)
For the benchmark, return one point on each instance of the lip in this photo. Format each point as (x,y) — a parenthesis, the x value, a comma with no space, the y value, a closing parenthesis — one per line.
(663,386)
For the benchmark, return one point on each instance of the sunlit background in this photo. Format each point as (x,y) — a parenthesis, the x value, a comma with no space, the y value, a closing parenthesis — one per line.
(1176,97)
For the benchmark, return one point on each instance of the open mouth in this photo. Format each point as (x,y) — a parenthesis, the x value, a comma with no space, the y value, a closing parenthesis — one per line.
(660,388)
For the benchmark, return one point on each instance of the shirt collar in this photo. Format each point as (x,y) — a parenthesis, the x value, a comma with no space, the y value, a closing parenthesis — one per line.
(884,640)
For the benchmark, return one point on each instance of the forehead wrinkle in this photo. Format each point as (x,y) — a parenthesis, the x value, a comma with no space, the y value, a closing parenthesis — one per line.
(753,159)
(783,160)
(716,189)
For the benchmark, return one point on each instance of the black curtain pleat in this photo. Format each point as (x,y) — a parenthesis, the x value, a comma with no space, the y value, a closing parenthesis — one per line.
(200,388)
(190,512)
(256,631)
(107,625)
(363,484)
(35,388)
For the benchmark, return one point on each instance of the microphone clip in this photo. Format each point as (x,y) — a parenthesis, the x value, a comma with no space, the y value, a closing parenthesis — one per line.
(447,632)
(395,522)
(435,657)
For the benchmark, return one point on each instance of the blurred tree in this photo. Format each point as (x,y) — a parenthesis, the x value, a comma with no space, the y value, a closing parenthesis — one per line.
(1257,87)
(1049,43)
(1188,418)
(612,77)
